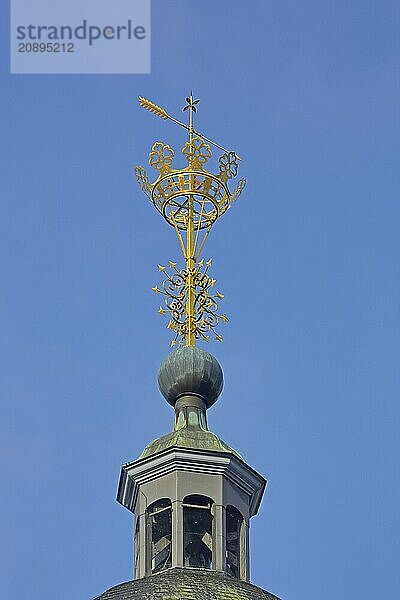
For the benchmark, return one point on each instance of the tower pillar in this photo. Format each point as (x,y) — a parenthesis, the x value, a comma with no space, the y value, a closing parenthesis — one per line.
(177,534)
(220,538)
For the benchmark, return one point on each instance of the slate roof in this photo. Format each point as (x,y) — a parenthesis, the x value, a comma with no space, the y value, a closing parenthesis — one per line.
(186,584)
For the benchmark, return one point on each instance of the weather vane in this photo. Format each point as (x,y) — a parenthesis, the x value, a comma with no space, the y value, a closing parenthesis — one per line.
(190,199)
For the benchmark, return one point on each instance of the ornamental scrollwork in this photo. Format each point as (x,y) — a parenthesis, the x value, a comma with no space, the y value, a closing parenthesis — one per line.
(206,310)
(239,189)
(143,181)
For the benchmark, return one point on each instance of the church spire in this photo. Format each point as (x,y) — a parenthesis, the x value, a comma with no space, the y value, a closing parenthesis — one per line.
(192,495)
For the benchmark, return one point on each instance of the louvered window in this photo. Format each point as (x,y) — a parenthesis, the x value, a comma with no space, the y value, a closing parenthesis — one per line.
(159,531)
(234,521)
(198,532)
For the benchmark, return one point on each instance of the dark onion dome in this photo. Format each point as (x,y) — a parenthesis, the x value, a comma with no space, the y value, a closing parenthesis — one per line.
(187,584)
(190,370)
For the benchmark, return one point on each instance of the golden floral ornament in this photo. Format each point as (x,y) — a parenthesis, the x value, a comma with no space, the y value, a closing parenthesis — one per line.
(161,156)
(197,152)
(228,166)
(175,289)
(143,181)
(239,189)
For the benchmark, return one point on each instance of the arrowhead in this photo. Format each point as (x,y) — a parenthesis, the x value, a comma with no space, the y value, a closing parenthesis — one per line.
(209,262)
(172,265)
(161,311)
(155,289)
(161,268)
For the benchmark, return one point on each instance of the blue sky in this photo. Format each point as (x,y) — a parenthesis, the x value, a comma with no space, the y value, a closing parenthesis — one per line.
(308,259)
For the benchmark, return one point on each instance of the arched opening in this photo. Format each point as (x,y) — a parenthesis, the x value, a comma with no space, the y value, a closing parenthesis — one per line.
(197,532)
(159,535)
(234,521)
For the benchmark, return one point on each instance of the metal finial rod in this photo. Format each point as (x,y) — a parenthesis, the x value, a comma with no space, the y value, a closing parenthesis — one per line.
(190,260)
(162,113)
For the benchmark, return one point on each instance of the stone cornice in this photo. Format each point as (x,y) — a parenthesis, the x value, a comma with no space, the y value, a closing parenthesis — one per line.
(142,471)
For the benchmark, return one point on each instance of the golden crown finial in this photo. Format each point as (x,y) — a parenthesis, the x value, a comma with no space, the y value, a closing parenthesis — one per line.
(190,199)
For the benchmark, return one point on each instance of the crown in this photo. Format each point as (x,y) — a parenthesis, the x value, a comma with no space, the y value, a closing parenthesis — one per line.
(190,199)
